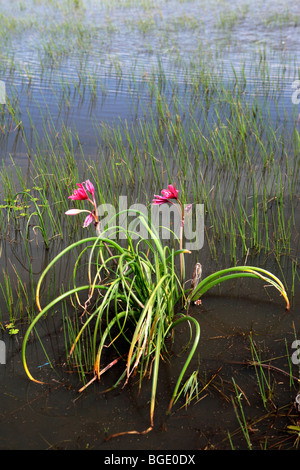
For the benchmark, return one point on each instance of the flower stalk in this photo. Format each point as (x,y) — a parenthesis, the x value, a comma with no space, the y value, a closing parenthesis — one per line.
(167,197)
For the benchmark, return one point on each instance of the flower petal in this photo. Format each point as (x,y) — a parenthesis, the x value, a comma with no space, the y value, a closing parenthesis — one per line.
(170,193)
(173,190)
(90,187)
(73,212)
(89,219)
(188,208)
(166,193)
(159,200)
(79,194)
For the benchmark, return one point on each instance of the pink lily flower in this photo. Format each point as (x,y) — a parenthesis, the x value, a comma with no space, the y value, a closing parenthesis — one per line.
(80,194)
(158,200)
(89,219)
(170,193)
(74,211)
(90,187)
(167,196)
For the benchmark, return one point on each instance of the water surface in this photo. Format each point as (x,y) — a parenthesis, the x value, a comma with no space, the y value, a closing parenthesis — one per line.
(82,66)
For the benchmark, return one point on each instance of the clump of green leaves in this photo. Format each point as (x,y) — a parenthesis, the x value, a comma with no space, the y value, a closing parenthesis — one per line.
(132,292)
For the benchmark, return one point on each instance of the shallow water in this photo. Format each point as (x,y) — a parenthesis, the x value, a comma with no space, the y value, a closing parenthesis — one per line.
(120,49)
(57,417)
(126,44)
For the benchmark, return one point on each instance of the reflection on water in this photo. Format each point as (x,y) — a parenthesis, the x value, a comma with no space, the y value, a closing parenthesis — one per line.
(101,75)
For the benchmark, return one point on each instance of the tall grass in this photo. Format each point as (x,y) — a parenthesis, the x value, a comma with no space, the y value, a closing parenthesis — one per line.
(224,151)
(240,414)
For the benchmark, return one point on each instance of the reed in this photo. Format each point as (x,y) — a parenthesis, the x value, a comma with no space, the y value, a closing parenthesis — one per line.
(17,297)
(240,414)
(262,380)
(174,129)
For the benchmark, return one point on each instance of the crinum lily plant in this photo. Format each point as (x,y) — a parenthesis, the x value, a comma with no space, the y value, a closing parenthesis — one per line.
(136,293)
(81,194)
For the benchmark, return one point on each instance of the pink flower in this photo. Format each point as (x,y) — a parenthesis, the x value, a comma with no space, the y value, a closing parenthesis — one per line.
(73,212)
(79,194)
(167,196)
(90,187)
(188,208)
(89,219)
(158,200)
(170,193)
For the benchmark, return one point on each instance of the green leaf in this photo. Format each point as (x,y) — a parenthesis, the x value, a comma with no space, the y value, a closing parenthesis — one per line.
(13,331)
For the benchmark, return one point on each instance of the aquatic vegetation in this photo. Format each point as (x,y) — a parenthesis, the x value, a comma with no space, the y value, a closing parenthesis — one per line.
(240,415)
(217,121)
(133,294)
